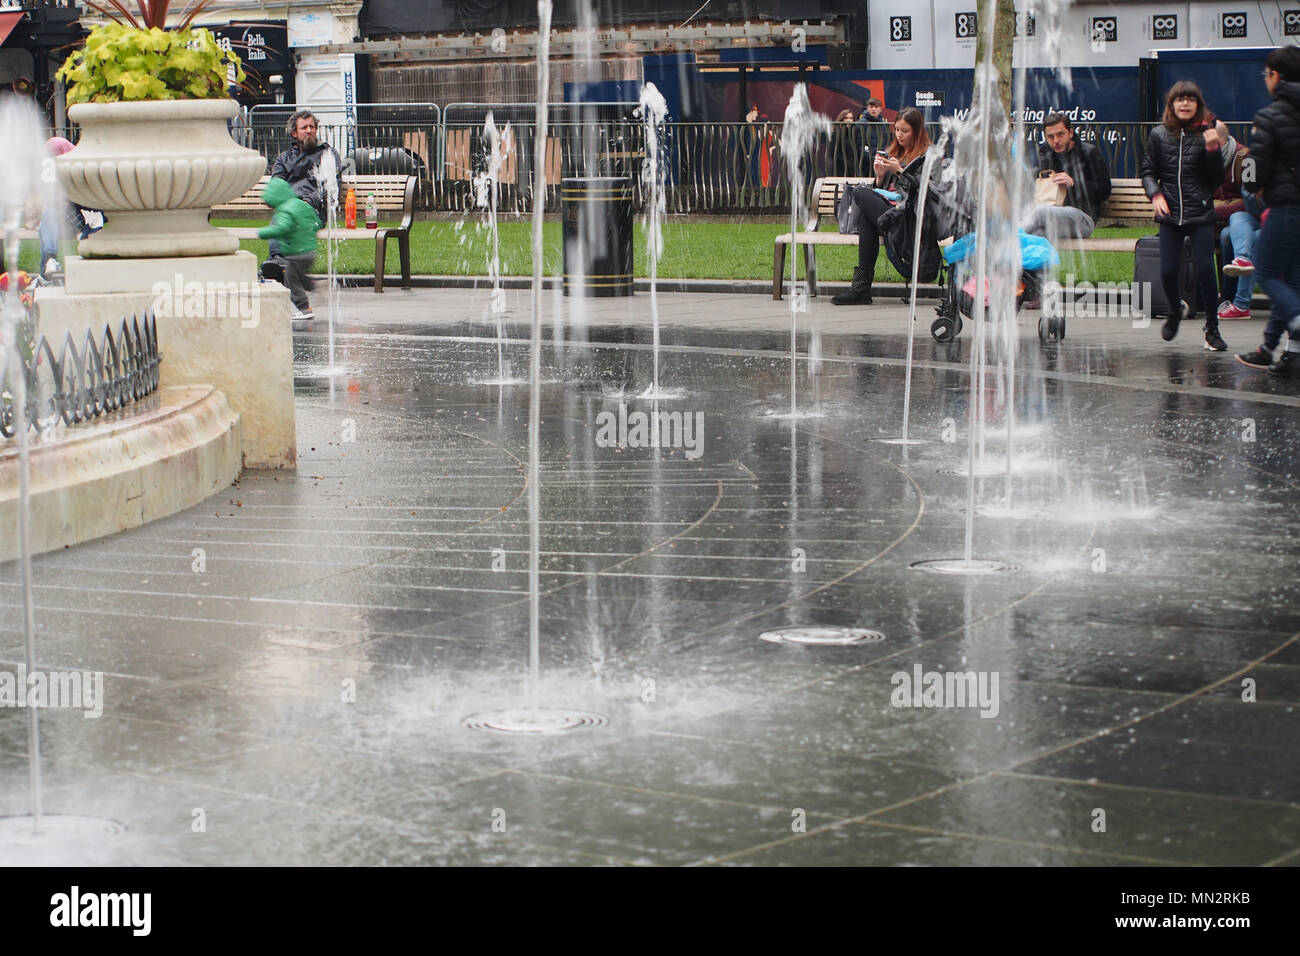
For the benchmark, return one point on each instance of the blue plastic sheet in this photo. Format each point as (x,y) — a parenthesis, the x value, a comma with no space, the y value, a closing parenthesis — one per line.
(1035,252)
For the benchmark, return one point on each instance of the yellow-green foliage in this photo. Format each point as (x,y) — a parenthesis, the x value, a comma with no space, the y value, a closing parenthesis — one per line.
(122,62)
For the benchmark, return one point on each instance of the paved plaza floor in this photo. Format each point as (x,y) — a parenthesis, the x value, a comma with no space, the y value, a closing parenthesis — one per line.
(288,666)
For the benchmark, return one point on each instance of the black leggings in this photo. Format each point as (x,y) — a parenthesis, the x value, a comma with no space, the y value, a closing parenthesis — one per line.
(872,205)
(1171,264)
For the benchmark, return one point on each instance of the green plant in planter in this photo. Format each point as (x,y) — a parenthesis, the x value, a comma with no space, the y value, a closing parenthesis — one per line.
(137,59)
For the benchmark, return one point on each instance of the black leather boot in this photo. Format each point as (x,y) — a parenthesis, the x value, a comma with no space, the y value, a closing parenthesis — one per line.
(859,293)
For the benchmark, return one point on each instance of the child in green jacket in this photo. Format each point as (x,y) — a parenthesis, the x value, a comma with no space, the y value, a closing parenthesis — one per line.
(293,229)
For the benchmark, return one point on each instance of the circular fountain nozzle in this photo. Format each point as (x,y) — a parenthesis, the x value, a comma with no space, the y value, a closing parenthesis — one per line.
(961,566)
(526,721)
(822,636)
(981,471)
(56,829)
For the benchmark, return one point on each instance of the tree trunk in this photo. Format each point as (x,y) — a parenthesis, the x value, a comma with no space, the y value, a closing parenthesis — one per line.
(1000,17)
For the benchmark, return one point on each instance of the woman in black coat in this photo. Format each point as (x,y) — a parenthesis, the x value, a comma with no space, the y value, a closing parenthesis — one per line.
(1180,172)
(901,164)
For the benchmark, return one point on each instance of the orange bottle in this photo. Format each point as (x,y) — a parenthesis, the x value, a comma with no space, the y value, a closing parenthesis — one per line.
(350,210)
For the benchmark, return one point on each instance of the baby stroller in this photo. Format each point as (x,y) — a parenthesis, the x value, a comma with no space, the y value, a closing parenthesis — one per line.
(957,299)
(956,212)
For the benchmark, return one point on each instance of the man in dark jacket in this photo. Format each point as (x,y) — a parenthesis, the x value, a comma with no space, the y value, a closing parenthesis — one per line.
(1082,170)
(1272,165)
(877,131)
(298,164)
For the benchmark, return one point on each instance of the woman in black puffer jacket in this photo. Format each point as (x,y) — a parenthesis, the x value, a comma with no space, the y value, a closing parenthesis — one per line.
(1180,172)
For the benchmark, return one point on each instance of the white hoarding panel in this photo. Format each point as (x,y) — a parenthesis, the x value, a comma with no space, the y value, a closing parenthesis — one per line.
(1229,23)
(901,36)
(956,27)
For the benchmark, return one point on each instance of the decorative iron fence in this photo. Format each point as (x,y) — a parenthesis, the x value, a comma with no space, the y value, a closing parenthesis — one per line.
(83,383)
(709,168)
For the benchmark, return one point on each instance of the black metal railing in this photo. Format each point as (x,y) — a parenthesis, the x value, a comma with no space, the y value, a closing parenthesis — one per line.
(709,168)
(83,382)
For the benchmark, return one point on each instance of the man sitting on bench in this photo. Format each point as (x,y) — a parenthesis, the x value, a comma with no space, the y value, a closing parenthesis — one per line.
(1082,170)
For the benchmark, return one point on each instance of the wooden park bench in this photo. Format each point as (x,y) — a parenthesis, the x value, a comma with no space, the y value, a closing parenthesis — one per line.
(394,196)
(1127,206)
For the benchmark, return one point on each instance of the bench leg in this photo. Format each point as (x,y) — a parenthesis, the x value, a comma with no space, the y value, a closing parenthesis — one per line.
(778,266)
(381,247)
(810,269)
(404,250)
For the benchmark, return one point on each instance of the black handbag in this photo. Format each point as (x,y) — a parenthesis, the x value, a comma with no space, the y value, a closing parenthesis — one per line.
(847,213)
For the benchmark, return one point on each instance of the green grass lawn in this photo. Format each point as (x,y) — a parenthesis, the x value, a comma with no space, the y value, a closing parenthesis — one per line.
(692,250)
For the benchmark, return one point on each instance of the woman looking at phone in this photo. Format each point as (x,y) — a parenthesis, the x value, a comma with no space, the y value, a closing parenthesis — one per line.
(897,171)
(1180,172)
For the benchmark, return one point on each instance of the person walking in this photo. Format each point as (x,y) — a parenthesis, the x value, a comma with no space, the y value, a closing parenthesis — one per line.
(1180,172)
(293,226)
(1274,153)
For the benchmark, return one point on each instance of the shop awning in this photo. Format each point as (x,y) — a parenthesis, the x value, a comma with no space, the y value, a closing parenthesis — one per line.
(7,23)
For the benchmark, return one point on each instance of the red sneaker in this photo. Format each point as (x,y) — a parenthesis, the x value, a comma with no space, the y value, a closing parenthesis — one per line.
(1238,266)
(1229,310)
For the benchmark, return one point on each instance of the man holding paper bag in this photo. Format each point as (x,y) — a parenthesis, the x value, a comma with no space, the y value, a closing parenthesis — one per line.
(1073,183)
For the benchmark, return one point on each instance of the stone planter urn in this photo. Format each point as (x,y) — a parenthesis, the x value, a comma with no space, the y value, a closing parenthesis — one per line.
(155,168)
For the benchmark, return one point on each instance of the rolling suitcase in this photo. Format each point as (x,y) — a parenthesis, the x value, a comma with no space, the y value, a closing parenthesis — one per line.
(1146,269)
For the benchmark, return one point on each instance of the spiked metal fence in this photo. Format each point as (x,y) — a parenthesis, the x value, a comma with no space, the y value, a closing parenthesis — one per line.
(83,381)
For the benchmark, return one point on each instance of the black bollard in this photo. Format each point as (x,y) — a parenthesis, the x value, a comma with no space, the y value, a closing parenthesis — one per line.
(597,214)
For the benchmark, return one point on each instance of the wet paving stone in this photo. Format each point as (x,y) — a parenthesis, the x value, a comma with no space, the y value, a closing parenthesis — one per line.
(296,657)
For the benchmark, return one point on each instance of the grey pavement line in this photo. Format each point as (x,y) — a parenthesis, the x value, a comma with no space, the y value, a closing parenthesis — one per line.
(1104,854)
(388,417)
(71,568)
(374,818)
(953,834)
(1057,749)
(1048,778)
(720,494)
(152,680)
(1285,857)
(955,773)
(957,630)
(960,367)
(867,818)
(188,620)
(653,791)
(446,568)
(921,511)
(1164,658)
(1222,457)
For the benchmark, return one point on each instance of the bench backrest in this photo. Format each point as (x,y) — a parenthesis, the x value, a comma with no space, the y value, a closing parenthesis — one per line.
(827,189)
(1128,204)
(390,195)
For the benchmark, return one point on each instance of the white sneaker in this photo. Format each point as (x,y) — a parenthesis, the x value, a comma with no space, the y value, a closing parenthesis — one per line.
(51,266)
(302,316)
